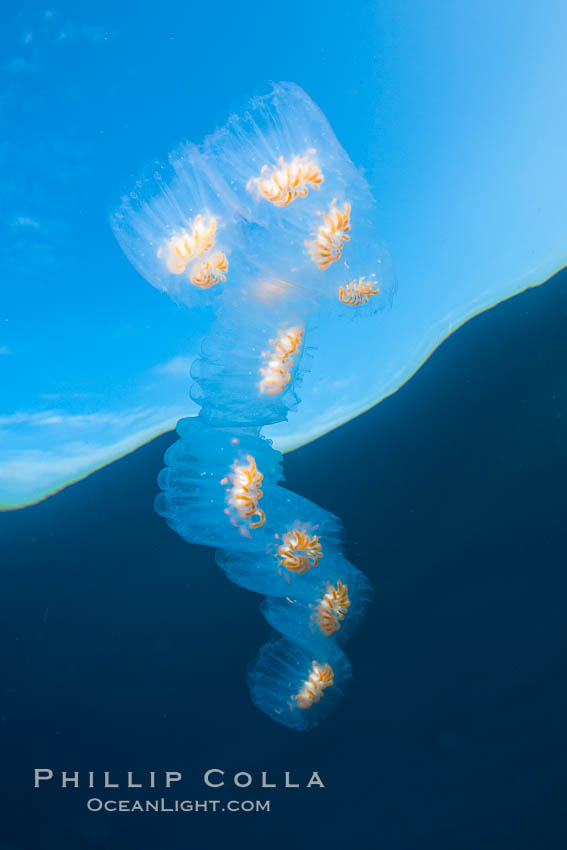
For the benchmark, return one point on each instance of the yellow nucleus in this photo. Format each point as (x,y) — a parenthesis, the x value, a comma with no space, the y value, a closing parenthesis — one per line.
(320,677)
(358,292)
(189,244)
(244,493)
(208,272)
(278,362)
(332,608)
(289,180)
(325,249)
(299,551)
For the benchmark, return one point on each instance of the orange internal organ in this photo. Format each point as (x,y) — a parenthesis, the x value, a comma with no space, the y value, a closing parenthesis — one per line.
(245,493)
(357,292)
(299,551)
(332,608)
(276,373)
(326,247)
(290,180)
(312,689)
(189,244)
(208,272)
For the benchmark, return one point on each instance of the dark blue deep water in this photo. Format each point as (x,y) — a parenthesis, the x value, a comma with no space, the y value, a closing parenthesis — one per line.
(124,648)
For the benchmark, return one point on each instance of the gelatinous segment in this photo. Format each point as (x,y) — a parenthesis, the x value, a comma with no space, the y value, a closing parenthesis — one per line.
(292,687)
(321,606)
(196,488)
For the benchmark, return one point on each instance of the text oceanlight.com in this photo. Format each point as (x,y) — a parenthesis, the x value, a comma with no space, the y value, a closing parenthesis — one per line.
(95,804)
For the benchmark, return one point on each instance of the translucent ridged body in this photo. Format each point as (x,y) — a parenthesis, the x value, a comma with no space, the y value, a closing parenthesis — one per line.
(292,687)
(275,198)
(322,606)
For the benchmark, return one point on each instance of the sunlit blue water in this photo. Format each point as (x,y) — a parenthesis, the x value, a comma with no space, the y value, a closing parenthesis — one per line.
(463,145)
(125,648)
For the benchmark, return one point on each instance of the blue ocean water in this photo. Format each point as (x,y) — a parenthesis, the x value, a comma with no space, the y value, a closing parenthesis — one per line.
(124,648)
(463,146)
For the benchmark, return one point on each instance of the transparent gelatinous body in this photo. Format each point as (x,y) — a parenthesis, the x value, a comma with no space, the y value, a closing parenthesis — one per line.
(270,223)
(326,608)
(292,687)
(270,196)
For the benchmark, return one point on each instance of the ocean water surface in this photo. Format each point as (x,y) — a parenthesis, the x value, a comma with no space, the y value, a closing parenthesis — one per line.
(455,112)
(124,648)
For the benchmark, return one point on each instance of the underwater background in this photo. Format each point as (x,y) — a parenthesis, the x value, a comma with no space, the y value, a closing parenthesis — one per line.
(124,648)
(455,112)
